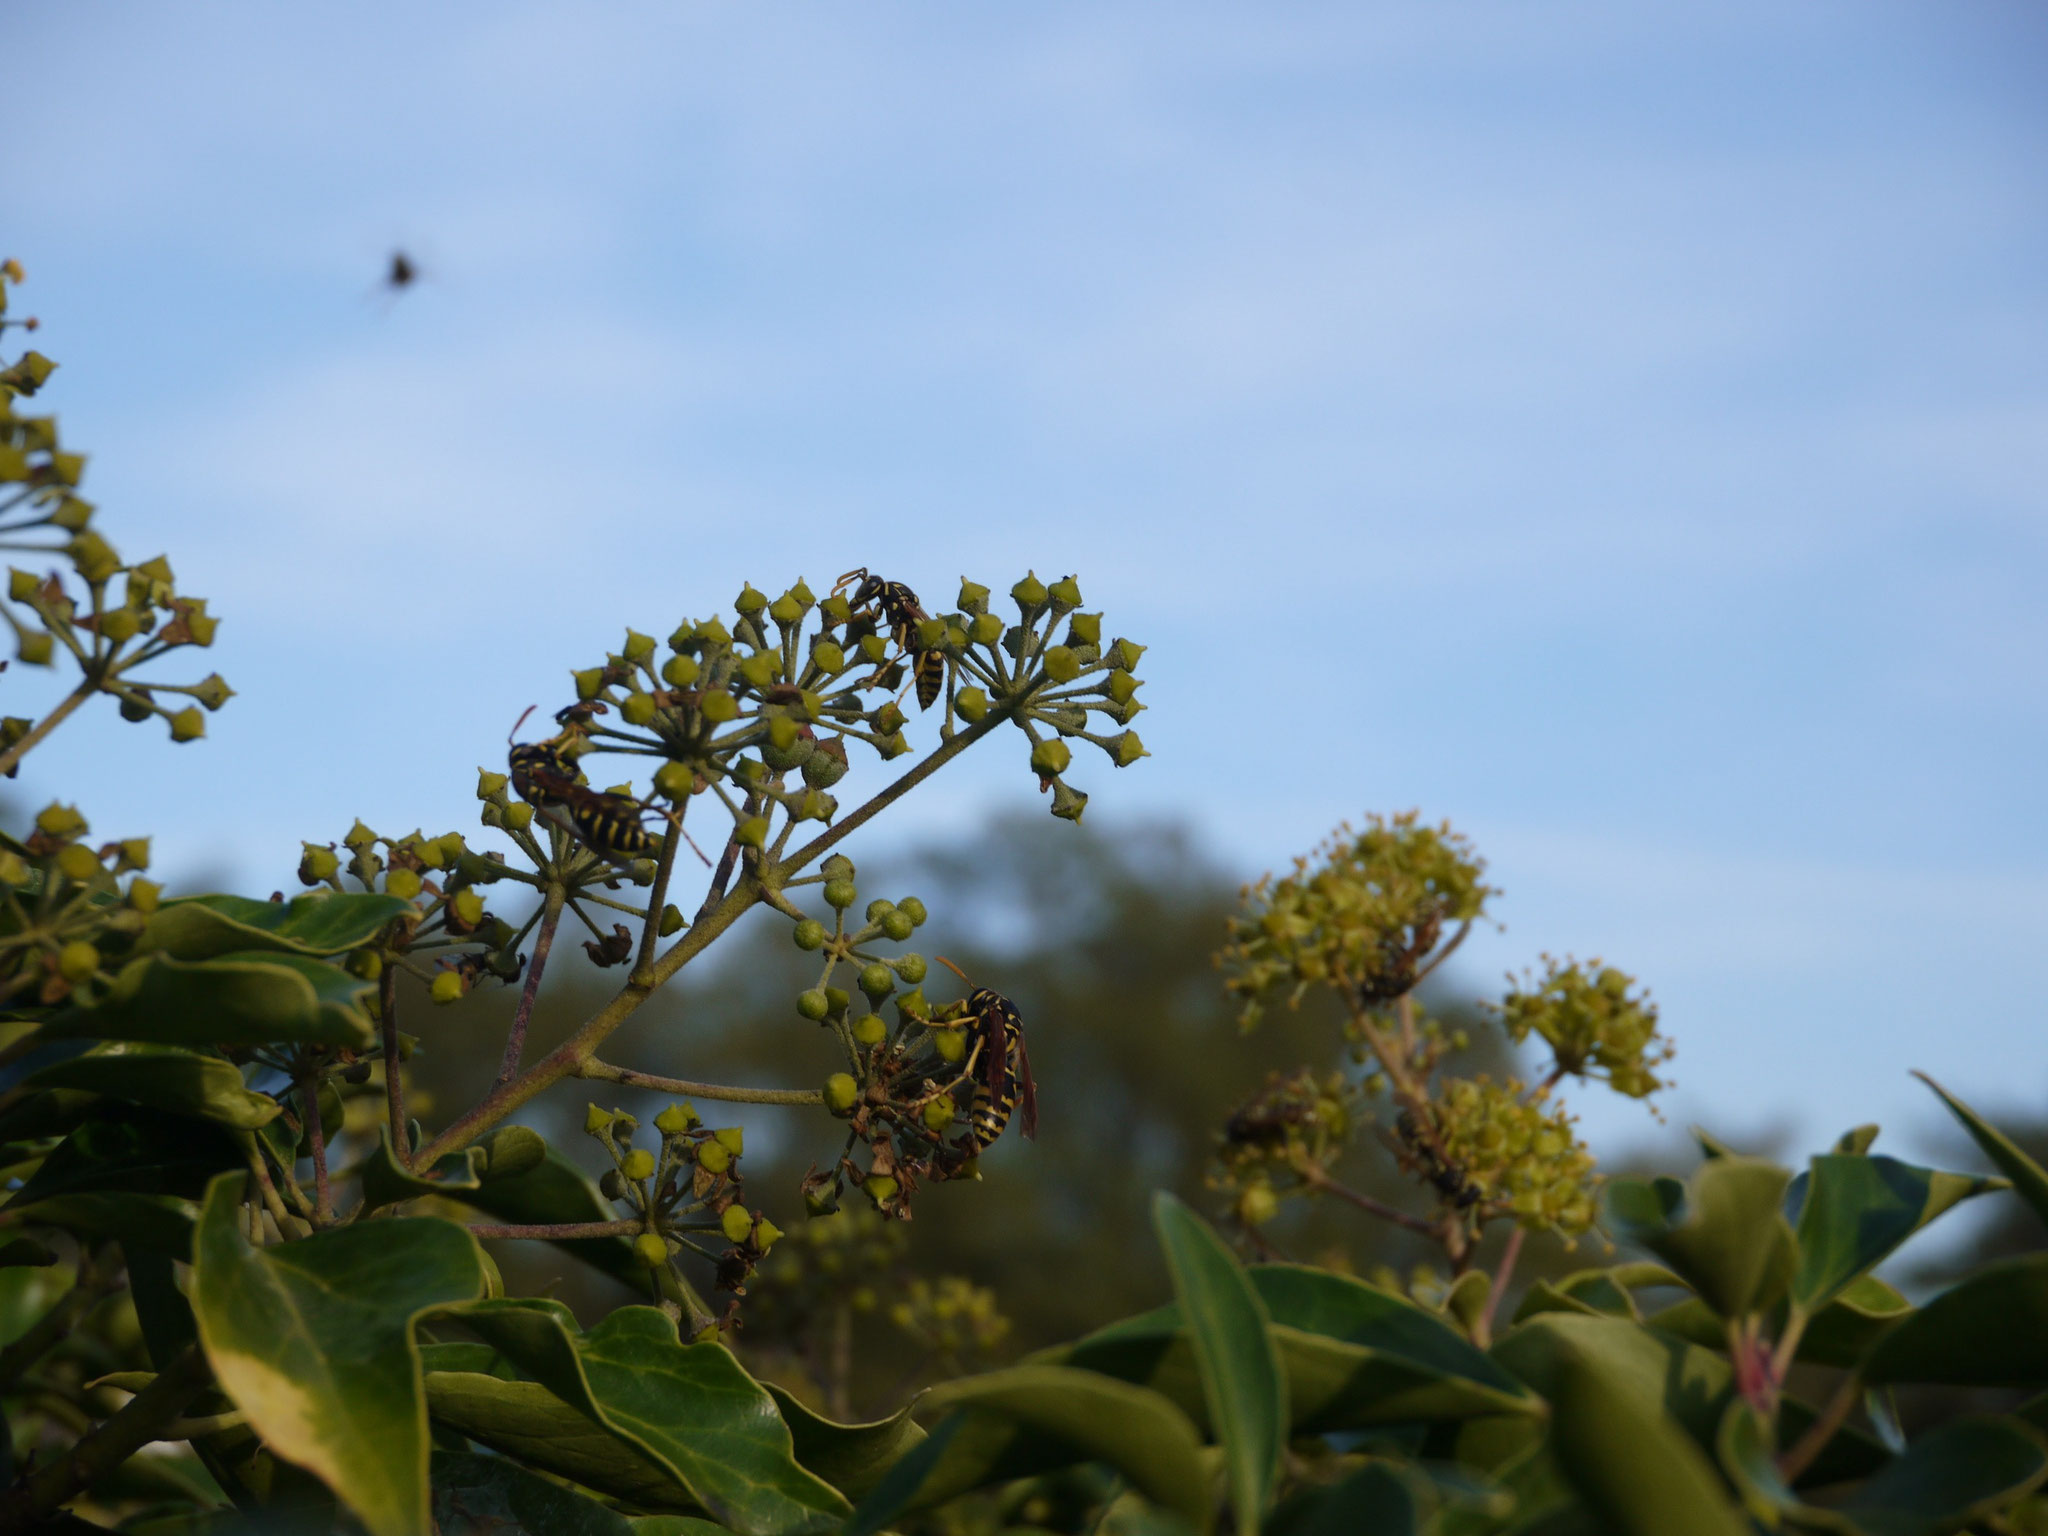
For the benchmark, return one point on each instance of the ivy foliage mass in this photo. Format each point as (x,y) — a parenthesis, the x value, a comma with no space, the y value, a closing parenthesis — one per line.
(243,1286)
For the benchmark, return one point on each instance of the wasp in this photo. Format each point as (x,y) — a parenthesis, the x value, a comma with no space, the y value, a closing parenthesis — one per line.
(533,762)
(1002,1078)
(901,612)
(1447,1178)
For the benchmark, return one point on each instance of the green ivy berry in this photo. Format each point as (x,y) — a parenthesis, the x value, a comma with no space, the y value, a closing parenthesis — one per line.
(589,683)
(876,980)
(638,1164)
(938,1114)
(637,709)
(896,925)
(671,920)
(765,1233)
(973,596)
(913,909)
(751,833)
(869,1030)
(840,894)
(785,610)
(188,724)
(951,1044)
(986,629)
(809,934)
(736,1224)
(1065,593)
(828,658)
(714,1157)
(911,968)
(1050,758)
(676,1119)
(1128,750)
(750,601)
(518,816)
(1085,629)
(1028,593)
(447,987)
(652,1249)
(1061,664)
(813,1005)
(77,961)
(841,1093)
(719,707)
(971,704)
(597,1121)
(680,671)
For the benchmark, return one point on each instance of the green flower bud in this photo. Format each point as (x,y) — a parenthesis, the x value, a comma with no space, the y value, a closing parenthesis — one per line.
(638,647)
(1050,758)
(714,1158)
(518,816)
(938,1114)
(762,668)
(828,658)
(597,1121)
(911,968)
(1257,1205)
(897,925)
(120,625)
(765,1233)
(1067,803)
(876,980)
(950,1043)
(879,907)
(1125,654)
(21,586)
(676,1119)
(986,629)
(837,867)
(612,1184)
(971,704)
(680,671)
(783,733)
(836,999)
(840,894)
(447,987)
(675,781)
(869,1030)
(35,647)
(1128,750)
(892,746)
(912,1005)
(671,920)
(637,1164)
(751,833)
(1061,664)
(1065,593)
(813,1005)
(651,1249)
(713,631)
(809,934)
(973,596)
(1029,593)
(841,1093)
(879,1187)
(589,683)
(736,1224)
(731,1137)
(719,707)
(888,720)
(143,895)
(402,883)
(1085,629)
(134,709)
(785,610)
(912,908)
(750,601)
(77,861)
(929,632)
(56,820)
(1121,686)
(77,961)
(489,785)
(637,709)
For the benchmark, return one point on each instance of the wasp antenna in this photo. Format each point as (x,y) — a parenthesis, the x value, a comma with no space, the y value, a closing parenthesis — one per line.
(519,722)
(853,575)
(949,965)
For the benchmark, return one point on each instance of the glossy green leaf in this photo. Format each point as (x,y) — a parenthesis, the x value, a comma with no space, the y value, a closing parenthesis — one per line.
(527,1422)
(2029,1178)
(903,1484)
(489,1495)
(313,1340)
(1634,1465)
(1241,1380)
(1990,1330)
(1087,1418)
(1750,1460)
(1724,1233)
(1851,1212)
(317,924)
(1840,1334)
(158,1223)
(52,1112)
(688,1406)
(851,1457)
(553,1192)
(244,999)
(1954,1474)
(1375,1499)
(385,1182)
(186,1082)
(136,1151)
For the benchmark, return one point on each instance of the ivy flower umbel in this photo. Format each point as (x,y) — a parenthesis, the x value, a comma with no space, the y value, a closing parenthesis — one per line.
(1597,1025)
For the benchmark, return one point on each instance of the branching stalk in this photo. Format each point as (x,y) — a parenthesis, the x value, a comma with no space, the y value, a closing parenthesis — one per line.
(515,1037)
(626,1077)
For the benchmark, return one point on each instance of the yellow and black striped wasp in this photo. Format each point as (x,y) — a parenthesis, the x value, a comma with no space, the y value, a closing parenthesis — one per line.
(609,824)
(1002,1073)
(901,612)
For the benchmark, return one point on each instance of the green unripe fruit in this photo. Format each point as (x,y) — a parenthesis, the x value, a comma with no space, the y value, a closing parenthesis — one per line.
(841,1093)
(675,781)
(837,999)
(714,631)
(835,609)
(826,765)
(732,1137)
(212,691)
(751,833)
(513,1150)
(1065,593)
(1028,593)
(869,1030)
(447,987)
(973,596)
(911,968)
(719,707)
(888,720)
(986,629)
(1125,654)
(468,907)
(589,683)
(951,1044)
(765,1233)
(762,668)
(134,710)
(971,704)
(897,925)
(596,1121)
(676,1119)
(938,1114)
(638,647)
(1061,664)
(736,1224)
(783,733)
(714,1157)
(785,610)
(913,909)
(490,785)
(77,861)
(750,601)
(680,671)
(876,980)
(637,1164)
(1128,750)
(874,648)
(1049,759)
(879,1187)
(892,746)
(1085,629)
(637,709)
(21,586)
(402,883)
(809,934)
(77,961)
(837,867)
(828,658)
(930,632)
(1257,1205)
(813,1005)
(120,625)
(518,816)
(671,920)
(188,724)
(879,907)
(651,1249)
(840,894)
(611,1184)
(143,895)
(1121,686)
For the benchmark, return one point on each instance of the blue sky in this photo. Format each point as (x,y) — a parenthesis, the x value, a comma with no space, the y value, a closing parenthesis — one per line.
(1619,429)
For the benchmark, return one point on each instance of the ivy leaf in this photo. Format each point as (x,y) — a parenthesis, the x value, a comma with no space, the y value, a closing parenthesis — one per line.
(2029,1178)
(313,1340)
(492,1493)
(316,924)
(688,1407)
(134,1151)
(1724,1233)
(240,999)
(1953,1475)
(1852,1211)
(1990,1330)
(1241,1381)
(851,1457)
(203,1084)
